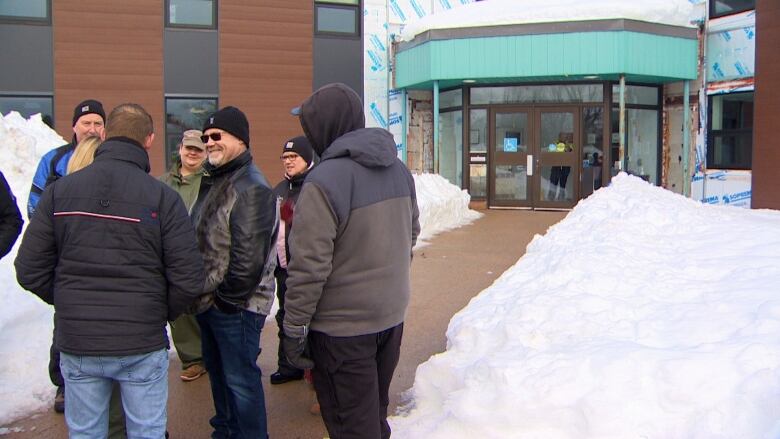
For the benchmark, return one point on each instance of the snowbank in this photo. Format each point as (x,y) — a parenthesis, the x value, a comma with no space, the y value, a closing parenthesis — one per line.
(443,206)
(642,314)
(25,321)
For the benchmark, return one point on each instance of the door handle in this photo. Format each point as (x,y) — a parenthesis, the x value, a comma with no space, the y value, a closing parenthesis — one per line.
(529,164)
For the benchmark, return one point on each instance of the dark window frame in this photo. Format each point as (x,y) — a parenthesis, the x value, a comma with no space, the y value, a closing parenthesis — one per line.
(658,108)
(731,132)
(214,15)
(714,14)
(44,21)
(50,97)
(356,8)
(169,154)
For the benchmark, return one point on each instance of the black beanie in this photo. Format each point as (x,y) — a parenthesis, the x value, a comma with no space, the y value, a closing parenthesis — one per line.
(90,106)
(232,120)
(301,146)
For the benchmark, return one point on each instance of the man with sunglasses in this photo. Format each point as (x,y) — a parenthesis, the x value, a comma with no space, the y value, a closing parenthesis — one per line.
(236,221)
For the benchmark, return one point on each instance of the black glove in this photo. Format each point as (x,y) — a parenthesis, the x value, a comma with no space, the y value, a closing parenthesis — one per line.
(295,347)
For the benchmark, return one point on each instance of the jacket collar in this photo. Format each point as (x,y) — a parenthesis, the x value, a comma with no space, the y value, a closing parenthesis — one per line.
(123,149)
(228,168)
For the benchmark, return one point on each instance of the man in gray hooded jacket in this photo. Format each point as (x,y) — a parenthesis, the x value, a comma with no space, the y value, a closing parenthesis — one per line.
(356,222)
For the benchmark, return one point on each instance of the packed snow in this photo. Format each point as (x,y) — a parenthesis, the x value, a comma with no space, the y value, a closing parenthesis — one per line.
(505,12)
(643,314)
(26,321)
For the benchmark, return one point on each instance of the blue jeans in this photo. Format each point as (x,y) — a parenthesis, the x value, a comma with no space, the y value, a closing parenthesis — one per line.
(231,345)
(143,383)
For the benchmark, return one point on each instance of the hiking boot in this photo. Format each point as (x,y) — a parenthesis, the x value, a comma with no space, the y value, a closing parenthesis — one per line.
(280,377)
(192,373)
(59,400)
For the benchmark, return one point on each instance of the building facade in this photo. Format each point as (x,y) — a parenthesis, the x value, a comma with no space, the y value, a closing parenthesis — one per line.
(525,115)
(180,59)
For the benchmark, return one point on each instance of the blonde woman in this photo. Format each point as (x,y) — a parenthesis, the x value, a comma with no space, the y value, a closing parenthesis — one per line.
(84,153)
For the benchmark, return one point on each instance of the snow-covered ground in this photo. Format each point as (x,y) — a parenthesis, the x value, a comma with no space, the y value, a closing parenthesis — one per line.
(643,314)
(26,321)
(506,12)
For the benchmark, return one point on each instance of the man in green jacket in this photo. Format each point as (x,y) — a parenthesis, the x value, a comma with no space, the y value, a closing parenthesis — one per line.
(184,177)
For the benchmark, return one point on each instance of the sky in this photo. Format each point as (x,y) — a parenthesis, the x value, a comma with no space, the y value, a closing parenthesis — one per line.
(642,314)
(505,12)
(26,321)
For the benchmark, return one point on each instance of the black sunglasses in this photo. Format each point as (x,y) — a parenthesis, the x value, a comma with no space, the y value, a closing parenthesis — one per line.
(214,136)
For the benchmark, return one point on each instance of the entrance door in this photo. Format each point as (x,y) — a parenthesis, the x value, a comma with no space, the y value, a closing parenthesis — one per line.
(534,157)
(557,176)
(511,156)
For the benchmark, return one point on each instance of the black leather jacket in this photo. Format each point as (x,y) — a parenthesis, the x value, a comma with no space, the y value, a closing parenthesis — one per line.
(236,223)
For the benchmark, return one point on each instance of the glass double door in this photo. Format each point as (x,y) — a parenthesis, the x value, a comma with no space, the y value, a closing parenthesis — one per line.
(534,157)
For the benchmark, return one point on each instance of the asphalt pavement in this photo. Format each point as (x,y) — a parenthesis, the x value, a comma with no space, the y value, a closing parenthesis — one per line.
(446,274)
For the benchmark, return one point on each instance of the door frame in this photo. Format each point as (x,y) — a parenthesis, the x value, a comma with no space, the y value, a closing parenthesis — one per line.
(538,157)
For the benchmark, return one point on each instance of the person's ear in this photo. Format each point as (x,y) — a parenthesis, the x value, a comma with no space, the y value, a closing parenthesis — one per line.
(148,141)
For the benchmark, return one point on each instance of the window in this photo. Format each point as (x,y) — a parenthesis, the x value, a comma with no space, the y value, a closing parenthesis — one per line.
(182,114)
(720,8)
(526,94)
(451,98)
(191,13)
(27,106)
(636,94)
(451,146)
(730,138)
(337,17)
(25,10)
(642,153)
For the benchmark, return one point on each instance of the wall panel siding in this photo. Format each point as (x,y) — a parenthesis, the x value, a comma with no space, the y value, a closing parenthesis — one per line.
(547,56)
(766,148)
(265,69)
(113,52)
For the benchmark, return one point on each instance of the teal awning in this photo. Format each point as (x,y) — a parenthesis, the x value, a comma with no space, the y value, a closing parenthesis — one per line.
(643,52)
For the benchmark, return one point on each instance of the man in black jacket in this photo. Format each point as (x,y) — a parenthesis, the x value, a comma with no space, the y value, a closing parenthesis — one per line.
(10,218)
(113,250)
(236,220)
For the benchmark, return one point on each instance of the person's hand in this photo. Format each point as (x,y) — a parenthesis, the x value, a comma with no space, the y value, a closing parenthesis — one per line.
(295,347)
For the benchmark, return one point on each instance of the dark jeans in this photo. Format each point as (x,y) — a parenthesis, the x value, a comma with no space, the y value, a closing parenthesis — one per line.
(281,288)
(231,345)
(352,380)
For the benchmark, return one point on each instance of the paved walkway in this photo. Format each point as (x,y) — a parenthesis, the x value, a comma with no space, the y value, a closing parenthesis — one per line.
(445,275)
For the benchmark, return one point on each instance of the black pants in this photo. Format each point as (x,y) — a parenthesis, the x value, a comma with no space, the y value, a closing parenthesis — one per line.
(352,380)
(54,360)
(281,288)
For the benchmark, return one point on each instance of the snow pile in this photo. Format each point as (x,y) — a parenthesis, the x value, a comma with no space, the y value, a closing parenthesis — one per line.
(443,206)
(505,12)
(25,321)
(642,314)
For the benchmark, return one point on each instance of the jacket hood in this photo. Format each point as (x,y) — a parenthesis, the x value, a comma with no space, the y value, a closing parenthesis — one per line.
(329,113)
(371,147)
